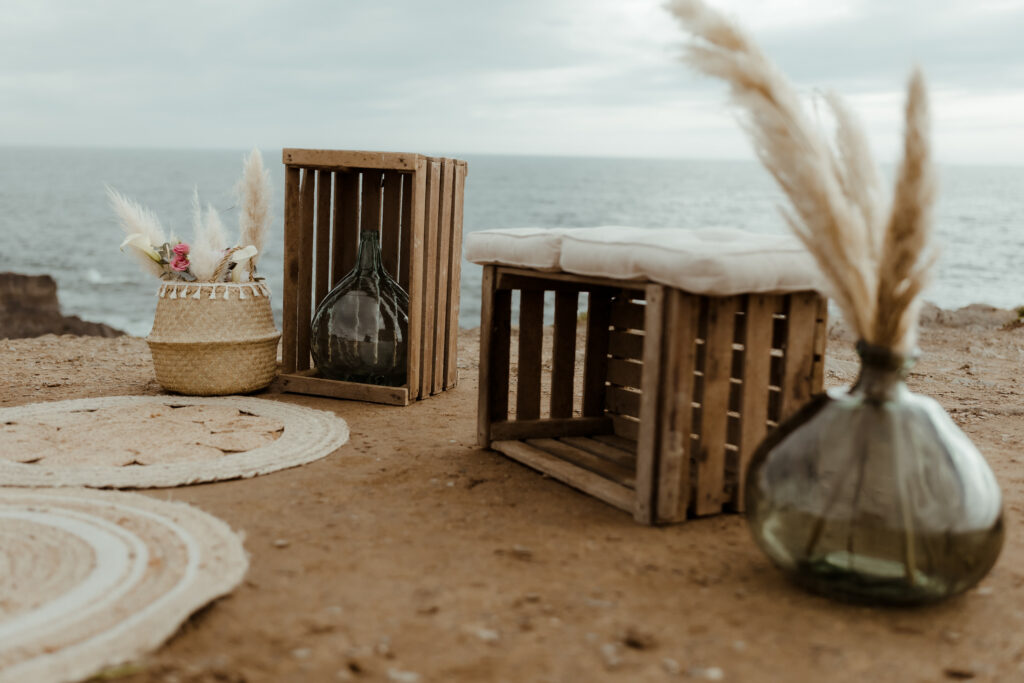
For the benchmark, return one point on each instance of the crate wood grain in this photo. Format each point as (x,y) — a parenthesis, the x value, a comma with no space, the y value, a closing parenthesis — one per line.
(415,203)
(678,388)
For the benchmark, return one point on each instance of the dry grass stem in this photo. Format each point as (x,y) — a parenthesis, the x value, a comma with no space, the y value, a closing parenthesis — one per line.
(254,191)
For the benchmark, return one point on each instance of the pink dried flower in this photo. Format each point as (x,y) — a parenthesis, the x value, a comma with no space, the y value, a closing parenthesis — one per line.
(179,262)
(181,249)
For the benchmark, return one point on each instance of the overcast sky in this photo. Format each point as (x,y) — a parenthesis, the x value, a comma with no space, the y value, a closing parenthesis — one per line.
(561,77)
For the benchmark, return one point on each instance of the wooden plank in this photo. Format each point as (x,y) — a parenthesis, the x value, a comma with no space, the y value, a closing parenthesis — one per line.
(586,460)
(349,159)
(451,349)
(390,223)
(798,361)
(292,249)
(620,457)
(626,345)
(710,456)
(595,359)
(442,262)
(404,260)
(345,242)
(551,278)
(415,283)
(538,280)
(754,390)
(303,304)
(495,346)
(531,336)
(625,427)
(428,257)
(820,341)
(627,315)
(550,428)
(563,358)
(620,442)
(647,439)
(318,386)
(322,276)
(369,204)
(682,313)
(577,477)
(625,373)
(623,401)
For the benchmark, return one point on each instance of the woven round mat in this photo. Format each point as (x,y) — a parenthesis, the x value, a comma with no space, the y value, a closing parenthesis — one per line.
(89,579)
(149,441)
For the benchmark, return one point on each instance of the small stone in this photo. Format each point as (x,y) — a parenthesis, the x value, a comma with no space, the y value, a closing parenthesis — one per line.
(711,673)
(610,654)
(302,653)
(986,590)
(671,666)
(383,647)
(282,543)
(487,635)
(739,645)
(450,484)
(399,676)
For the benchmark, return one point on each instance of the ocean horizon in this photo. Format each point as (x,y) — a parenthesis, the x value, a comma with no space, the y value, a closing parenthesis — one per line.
(57,220)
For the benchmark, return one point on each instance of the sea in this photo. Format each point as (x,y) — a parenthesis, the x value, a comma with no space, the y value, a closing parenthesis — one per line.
(55,218)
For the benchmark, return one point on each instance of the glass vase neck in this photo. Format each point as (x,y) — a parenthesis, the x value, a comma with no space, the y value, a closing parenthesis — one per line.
(882,371)
(368,256)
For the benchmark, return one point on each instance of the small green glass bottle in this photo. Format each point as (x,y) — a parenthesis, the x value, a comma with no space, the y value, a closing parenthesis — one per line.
(360,330)
(875,495)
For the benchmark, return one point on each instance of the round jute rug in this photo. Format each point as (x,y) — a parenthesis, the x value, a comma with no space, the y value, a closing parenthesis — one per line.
(150,441)
(90,579)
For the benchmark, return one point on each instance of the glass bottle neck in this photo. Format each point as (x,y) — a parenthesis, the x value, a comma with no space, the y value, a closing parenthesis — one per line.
(882,372)
(368,256)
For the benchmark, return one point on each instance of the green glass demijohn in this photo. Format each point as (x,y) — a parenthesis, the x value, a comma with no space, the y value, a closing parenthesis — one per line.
(360,330)
(873,494)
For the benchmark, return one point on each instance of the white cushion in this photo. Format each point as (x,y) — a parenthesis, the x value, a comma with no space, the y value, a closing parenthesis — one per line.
(715,261)
(538,248)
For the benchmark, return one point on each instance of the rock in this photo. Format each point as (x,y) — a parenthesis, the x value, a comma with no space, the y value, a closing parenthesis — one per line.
(976,315)
(29,308)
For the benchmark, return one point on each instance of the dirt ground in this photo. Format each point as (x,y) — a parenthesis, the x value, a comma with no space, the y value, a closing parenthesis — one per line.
(412,555)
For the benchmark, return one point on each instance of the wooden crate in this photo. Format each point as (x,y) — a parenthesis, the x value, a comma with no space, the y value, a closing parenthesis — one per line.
(675,391)
(416,203)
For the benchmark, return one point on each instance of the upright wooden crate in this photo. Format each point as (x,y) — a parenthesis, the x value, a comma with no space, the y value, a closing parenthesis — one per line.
(677,389)
(416,204)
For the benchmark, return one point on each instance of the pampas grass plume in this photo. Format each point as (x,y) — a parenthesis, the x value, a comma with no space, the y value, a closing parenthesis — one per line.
(136,219)
(254,191)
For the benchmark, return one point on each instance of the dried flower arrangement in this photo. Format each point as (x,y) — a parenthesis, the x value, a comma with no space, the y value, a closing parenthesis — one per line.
(208,258)
(877,259)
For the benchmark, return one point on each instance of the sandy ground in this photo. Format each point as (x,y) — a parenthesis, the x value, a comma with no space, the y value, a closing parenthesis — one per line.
(412,555)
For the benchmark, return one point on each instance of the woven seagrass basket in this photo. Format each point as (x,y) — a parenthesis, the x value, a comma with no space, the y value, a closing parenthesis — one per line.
(212,339)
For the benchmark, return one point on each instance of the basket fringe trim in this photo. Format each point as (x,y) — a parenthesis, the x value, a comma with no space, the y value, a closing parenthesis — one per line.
(196,289)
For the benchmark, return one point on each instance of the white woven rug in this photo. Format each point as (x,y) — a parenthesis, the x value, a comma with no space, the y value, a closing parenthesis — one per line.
(89,579)
(150,441)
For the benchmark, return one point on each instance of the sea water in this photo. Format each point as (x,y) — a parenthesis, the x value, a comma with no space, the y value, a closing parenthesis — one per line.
(55,218)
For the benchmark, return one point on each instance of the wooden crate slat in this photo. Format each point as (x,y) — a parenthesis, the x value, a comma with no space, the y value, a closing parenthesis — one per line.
(304,299)
(798,361)
(551,428)
(304,383)
(292,241)
(620,442)
(390,223)
(754,392)
(349,159)
(595,359)
(441,265)
(588,482)
(531,336)
(585,459)
(454,279)
(495,343)
(625,373)
(647,438)
(627,428)
(345,240)
(820,341)
(721,317)
(429,294)
(322,279)
(622,401)
(563,357)
(404,264)
(512,277)
(681,322)
(626,345)
(620,457)
(627,315)
(415,288)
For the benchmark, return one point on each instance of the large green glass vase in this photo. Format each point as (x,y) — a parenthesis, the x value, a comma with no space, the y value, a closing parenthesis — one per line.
(874,495)
(360,330)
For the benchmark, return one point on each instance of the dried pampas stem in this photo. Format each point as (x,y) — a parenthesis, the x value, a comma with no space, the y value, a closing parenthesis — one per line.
(254,192)
(137,220)
(875,274)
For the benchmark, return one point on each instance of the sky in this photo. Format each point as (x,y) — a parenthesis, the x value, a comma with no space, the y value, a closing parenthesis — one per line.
(552,77)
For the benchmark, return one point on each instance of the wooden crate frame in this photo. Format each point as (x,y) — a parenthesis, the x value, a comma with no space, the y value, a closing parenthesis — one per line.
(678,389)
(416,203)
